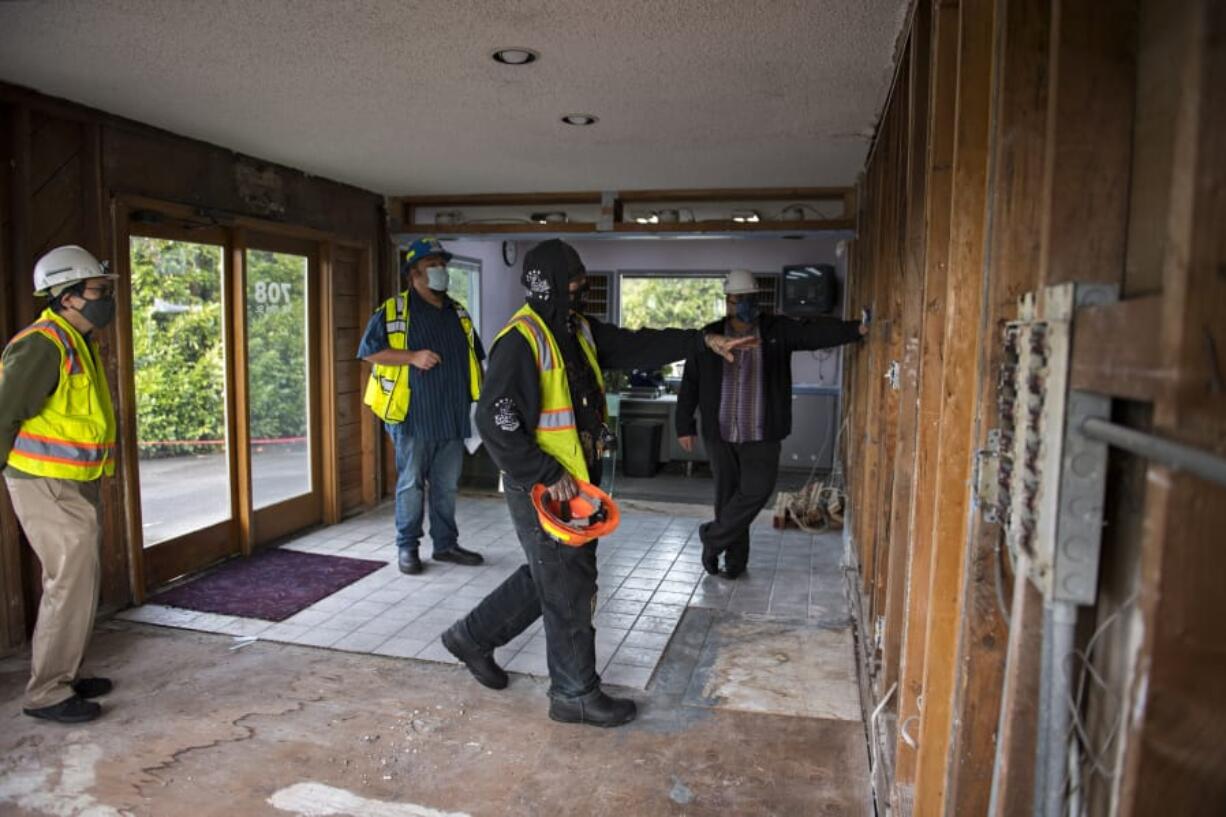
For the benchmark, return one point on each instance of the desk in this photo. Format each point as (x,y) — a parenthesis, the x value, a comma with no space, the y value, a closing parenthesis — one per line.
(814,427)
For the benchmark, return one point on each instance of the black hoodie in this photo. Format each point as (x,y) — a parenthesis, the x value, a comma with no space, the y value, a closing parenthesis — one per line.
(510,403)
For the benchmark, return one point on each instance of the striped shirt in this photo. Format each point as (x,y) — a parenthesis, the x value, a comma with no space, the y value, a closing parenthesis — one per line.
(440,398)
(741,410)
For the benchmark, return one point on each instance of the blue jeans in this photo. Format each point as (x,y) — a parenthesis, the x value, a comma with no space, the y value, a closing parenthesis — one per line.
(422,463)
(558,582)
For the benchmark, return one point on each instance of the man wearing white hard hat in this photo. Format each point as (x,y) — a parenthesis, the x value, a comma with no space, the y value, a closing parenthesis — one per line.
(746,408)
(57,440)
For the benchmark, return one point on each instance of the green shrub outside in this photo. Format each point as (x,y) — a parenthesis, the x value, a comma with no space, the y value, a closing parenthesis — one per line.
(178,350)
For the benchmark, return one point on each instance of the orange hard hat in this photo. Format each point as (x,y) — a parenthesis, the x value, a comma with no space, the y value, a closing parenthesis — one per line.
(589,515)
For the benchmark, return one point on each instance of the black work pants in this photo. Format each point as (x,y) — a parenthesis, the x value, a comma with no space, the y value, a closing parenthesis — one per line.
(745,477)
(558,582)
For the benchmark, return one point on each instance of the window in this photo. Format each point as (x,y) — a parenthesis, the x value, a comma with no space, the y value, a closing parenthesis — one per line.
(464,286)
(680,301)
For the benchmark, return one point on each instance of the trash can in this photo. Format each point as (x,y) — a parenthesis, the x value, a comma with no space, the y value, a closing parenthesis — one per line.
(640,444)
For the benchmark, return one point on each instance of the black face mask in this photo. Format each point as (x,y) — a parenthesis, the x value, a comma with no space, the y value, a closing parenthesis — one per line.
(578,296)
(100,312)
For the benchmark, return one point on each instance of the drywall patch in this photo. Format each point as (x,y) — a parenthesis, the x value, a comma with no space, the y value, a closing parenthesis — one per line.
(777,667)
(33,786)
(319,800)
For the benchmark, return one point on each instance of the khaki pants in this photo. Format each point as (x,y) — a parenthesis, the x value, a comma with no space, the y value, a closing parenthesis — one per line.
(61,520)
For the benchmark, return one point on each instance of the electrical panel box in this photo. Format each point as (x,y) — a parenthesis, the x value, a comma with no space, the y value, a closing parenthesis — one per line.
(810,290)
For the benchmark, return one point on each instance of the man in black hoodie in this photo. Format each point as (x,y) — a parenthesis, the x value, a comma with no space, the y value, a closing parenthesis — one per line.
(746,406)
(544,365)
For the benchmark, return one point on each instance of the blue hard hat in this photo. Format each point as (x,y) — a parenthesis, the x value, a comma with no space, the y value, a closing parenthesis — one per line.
(424,248)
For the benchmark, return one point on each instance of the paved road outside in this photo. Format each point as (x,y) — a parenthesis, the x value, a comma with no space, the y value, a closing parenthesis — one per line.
(186,493)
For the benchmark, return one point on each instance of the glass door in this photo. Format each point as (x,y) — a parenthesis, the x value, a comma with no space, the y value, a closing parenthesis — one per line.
(179,298)
(282,386)
(225,362)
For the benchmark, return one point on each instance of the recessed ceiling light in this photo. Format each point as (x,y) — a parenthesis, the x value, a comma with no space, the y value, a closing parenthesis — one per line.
(580,119)
(515,56)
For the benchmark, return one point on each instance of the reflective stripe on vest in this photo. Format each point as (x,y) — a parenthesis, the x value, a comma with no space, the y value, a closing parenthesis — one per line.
(555,431)
(72,360)
(387,391)
(62,451)
(73,436)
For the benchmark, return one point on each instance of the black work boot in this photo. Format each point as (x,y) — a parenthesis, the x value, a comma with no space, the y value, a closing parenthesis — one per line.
(72,710)
(92,687)
(479,662)
(459,556)
(410,562)
(595,708)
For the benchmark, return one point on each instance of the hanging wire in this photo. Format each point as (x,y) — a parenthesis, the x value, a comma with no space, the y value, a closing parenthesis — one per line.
(1000,576)
(1093,757)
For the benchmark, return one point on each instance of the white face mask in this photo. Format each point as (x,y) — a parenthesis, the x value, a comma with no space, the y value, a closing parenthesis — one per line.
(436,278)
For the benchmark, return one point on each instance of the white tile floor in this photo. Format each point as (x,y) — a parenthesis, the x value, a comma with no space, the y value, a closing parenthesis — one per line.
(650,571)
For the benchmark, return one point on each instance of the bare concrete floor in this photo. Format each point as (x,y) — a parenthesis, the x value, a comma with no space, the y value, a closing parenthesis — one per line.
(197,728)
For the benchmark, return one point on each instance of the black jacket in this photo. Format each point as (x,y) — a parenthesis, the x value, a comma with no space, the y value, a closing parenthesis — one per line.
(704,372)
(510,403)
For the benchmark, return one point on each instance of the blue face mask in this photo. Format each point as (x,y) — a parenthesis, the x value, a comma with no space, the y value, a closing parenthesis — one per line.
(436,278)
(746,311)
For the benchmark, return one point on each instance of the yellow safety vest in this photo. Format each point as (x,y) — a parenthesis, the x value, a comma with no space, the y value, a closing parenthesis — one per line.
(73,437)
(556,433)
(387,390)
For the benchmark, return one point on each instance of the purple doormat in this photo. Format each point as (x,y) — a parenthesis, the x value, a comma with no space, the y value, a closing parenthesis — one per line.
(271,585)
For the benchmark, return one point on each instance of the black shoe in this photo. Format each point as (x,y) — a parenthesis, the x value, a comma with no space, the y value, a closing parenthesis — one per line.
(73,710)
(410,562)
(459,556)
(595,708)
(479,662)
(92,687)
(731,572)
(710,557)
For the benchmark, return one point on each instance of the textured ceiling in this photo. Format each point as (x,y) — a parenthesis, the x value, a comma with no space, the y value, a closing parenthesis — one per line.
(402,97)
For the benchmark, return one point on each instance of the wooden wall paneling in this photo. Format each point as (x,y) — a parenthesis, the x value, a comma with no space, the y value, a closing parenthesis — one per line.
(874,384)
(859,366)
(911,238)
(892,273)
(937,211)
(1016,212)
(330,400)
(959,386)
(98,236)
(1158,57)
(1013,783)
(1175,755)
(238,414)
(128,470)
(1090,132)
(1111,357)
(14,175)
(142,161)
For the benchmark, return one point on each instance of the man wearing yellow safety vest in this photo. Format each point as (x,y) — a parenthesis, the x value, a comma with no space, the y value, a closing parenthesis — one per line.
(57,439)
(541,416)
(426,373)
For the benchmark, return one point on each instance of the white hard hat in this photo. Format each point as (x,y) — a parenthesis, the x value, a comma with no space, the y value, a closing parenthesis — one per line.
(740,282)
(65,266)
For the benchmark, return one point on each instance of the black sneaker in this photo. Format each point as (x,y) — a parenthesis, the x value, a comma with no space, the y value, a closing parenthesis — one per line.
(410,562)
(595,709)
(731,572)
(459,556)
(479,662)
(92,687)
(73,710)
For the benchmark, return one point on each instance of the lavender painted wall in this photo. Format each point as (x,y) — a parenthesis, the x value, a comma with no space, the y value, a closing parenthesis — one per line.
(501,293)
(763,255)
